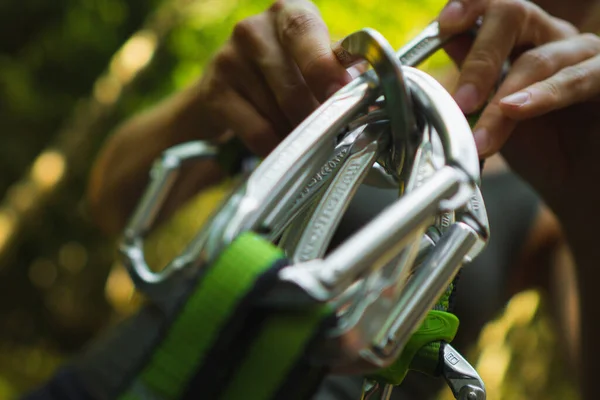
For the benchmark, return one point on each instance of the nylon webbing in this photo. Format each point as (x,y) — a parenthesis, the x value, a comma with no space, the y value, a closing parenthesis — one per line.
(267,366)
(219,315)
(422,352)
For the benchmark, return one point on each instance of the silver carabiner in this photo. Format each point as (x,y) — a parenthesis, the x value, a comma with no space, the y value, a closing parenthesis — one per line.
(316,231)
(163,175)
(372,46)
(314,189)
(269,192)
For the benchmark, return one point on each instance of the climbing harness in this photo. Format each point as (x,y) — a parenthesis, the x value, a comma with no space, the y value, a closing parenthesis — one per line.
(267,312)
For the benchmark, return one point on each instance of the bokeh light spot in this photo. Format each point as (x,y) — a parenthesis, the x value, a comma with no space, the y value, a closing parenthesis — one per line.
(48,169)
(43,273)
(72,257)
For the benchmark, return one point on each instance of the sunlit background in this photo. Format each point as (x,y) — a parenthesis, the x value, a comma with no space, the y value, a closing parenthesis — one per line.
(69,71)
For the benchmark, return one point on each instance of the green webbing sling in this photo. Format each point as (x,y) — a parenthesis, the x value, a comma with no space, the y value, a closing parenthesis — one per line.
(422,352)
(216,309)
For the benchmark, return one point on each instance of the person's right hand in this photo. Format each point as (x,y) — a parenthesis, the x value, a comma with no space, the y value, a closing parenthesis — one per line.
(272,73)
(544,115)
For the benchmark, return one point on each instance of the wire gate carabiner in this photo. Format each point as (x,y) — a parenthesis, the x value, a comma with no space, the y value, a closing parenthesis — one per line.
(384,279)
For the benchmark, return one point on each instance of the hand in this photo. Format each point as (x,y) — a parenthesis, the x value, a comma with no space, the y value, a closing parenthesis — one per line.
(272,73)
(543,116)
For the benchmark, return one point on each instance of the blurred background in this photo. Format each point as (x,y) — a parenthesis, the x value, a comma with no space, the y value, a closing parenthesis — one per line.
(70,70)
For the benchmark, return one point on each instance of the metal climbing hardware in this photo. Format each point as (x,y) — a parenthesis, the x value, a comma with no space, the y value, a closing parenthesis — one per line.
(377,304)
(462,378)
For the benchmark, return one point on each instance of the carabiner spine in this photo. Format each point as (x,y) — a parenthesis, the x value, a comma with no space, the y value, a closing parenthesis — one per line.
(427,284)
(163,175)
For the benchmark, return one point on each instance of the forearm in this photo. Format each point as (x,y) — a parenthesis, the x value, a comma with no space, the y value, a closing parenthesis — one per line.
(121,170)
(583,244)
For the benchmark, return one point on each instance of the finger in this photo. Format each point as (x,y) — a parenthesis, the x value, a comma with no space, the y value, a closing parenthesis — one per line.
(529,25)
(344,57)
(246,122)
(355,65)
(358,69)
(569,86)
(250,84)
(458,48)
(257,38)
(533,66)
(460,15)
(541,63)
(305,36)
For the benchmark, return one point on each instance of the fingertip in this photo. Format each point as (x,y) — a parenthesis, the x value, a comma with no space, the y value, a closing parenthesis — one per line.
(482,142)
(452,15)
(517,105)
(467,97)
(459,15)
(492,131)
(516,100)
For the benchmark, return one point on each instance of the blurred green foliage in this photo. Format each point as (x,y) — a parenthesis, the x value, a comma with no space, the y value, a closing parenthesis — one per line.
(53,292)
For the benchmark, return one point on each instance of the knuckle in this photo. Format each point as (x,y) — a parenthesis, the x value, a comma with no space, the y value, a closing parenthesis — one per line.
(488,60)
(513,10)
(552,89)
(298,23)
(539,61)
(578,78)
(317,65)
(281,5)
(567,28)
(277,6)
(226,61)
(215,88)
(592,41)
(243,30)
(248,33)
(590,37)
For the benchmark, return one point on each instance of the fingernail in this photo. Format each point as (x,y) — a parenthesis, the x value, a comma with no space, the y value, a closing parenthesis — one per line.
(482,141)
(467,98)
(453,13)
(517,99)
